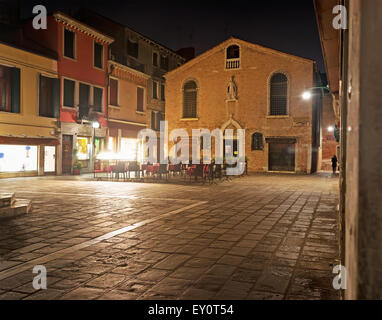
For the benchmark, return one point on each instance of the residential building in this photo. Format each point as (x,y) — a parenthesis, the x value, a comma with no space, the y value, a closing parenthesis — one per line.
(353,62)
(138,52)
(127,110)
(240,85)
(29,106)
(82,67)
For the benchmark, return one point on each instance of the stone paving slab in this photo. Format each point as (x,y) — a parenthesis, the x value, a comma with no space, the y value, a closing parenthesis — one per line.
(258,237)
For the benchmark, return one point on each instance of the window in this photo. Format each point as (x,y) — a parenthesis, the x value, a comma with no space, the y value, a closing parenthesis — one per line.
(158,120)
(132,49)
(233,57)
(164,63)
(278,95)
(5,89)
(140,99)
(257,141)
(9,89)
(162,90)
(189,99)
(97,99)
(155,90)
(69,92)
(84,95)
(84,100)
(233,52)
(114,92)
(18,158)
(49,97)
(83,152)
(98,55)
(152,120)
(69,44)
(155,59)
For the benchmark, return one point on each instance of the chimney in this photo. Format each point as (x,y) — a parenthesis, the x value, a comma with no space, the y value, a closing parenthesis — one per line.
(187,53)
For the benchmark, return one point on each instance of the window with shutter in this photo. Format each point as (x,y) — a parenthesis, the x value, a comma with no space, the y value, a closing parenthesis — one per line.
(69,92)
(162,90)
(114,92)
(278,95)
(5,89)
(155,90)
(48,97)
(155,59)
(152,120)
(98,55)
(158,120)
(69,44)
(97,99)
(140,99)
(189,100)
(132,49)
(164,63)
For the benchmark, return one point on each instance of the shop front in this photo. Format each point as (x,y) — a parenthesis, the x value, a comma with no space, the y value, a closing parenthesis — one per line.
(22,157)
(80,145)
(123,139)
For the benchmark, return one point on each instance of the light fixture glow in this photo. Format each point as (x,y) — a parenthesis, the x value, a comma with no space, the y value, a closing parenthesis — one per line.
(331,129)
(96,125)
(307,95)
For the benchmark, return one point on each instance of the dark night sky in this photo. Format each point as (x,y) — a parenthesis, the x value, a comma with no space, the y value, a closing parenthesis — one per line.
(289,26)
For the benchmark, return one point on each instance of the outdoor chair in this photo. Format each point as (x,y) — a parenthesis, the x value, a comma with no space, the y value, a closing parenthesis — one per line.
(120,169)
(196,171)
(134,167)
(175,168)
(163,171)
(209,172)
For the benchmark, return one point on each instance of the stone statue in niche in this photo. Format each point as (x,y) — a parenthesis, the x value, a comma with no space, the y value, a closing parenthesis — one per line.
(232,90)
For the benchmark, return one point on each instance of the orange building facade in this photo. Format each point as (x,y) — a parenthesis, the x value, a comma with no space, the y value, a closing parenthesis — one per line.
(240,85)
(127,108)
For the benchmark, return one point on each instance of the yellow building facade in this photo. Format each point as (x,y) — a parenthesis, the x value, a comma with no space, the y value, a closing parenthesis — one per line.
(29,95)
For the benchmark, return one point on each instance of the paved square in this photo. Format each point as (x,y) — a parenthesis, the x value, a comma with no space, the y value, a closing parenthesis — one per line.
(258,237)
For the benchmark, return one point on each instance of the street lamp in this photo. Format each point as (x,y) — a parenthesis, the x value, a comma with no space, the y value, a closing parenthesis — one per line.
(308,93)
(95,126)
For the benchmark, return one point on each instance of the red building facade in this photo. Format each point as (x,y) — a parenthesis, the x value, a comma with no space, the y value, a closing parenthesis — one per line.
(82,67)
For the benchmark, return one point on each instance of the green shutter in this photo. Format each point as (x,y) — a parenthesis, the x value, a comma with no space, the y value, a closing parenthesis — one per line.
(15,90)
(56,98)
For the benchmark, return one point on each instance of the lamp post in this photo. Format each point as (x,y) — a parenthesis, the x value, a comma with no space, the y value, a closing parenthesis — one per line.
(95,126)
(308,93)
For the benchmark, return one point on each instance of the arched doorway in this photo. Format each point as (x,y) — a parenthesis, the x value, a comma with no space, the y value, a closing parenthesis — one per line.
(230,139)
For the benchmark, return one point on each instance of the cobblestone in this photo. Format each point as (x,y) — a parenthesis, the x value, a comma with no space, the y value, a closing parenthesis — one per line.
(258,237)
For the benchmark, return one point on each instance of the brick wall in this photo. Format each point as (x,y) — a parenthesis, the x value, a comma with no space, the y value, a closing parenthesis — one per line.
(251,109)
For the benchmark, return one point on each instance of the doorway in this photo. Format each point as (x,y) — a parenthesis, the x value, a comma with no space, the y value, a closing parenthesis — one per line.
(49,159)
(67,154)
(281,156)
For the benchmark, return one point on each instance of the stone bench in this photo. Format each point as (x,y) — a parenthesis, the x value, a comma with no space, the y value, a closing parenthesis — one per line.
(11,207)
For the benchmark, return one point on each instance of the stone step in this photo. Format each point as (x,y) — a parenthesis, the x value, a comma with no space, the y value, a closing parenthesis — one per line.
(22,206)
(7,199)
(19,207)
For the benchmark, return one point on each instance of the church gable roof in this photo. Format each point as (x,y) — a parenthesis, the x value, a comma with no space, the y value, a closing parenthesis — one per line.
(241,43)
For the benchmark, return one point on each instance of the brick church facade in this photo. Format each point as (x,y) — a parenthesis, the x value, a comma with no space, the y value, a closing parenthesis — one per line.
(240,85)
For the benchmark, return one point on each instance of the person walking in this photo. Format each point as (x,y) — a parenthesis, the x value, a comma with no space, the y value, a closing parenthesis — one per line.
(334,164)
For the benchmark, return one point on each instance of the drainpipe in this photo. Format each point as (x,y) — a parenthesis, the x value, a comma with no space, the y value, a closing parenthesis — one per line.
(108,74)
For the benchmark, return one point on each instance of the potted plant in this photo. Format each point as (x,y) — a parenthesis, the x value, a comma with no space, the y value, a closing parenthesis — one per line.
(77,168)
